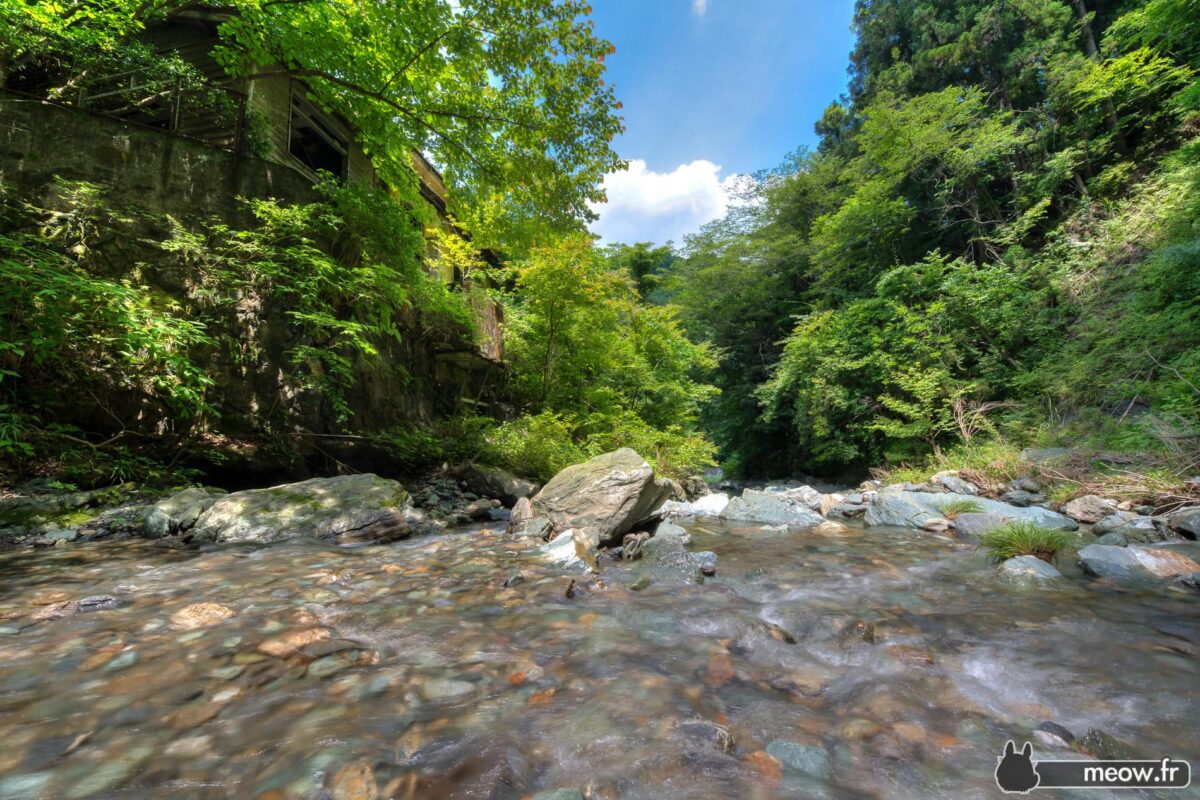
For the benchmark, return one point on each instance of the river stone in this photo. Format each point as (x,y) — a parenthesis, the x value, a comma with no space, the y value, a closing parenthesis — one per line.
(1185,522)
(522,512)
(362,506)
(954,483)
(63,534)
(200,615)
(1021,498)
(770,509)
(155,524)
(1027,570)
(806,759)
(669,529)
(970,526)
(612,493)
(1113,539)
(1140,529)
(1105,747)
(1115,519)
(1090,508)
(559,794)
(903,509)
(496,482)
(711,505)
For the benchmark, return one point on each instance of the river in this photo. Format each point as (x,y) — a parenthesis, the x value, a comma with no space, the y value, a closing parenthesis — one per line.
(832,663)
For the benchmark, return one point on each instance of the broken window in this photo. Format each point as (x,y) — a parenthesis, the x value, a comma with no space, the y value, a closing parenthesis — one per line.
(314,139)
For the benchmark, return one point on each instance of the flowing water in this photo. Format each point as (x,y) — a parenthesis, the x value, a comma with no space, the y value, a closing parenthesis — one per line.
(874,664)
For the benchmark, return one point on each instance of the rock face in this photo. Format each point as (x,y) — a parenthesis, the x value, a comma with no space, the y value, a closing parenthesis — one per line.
(903,509)
(1089,509)
(1027,570)
(771,509)
(347,507)
(496,482)
(611,493)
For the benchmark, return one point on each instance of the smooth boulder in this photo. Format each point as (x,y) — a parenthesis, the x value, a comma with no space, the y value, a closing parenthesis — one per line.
(901,509)
(1135,562)
(611,493)
(1185,522)
(711,505)
(1026,570)
(770,508)
(346,507)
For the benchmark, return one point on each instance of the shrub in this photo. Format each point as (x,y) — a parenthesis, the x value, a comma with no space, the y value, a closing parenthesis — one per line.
(1020,538)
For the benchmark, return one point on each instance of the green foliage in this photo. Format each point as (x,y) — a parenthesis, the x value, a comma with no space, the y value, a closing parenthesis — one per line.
(595,368)
(507,98)
(1023,538)
(1000,218)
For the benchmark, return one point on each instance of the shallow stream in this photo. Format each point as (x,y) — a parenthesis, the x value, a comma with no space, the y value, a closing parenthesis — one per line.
(872,664)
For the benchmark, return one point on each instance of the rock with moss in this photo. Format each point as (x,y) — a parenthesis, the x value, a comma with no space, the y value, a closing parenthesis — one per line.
(362,507)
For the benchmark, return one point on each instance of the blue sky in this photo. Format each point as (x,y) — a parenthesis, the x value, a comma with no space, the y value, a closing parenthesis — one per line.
(712,89)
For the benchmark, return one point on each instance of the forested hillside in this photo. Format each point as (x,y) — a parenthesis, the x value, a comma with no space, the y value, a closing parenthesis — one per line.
(997,239)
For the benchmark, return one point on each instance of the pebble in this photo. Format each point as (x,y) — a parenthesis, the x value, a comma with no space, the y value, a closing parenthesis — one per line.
(200,615)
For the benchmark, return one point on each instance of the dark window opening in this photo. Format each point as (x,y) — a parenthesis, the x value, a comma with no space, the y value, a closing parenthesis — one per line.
(314,142)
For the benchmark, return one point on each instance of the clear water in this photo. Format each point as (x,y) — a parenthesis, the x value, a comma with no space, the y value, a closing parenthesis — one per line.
(893,653)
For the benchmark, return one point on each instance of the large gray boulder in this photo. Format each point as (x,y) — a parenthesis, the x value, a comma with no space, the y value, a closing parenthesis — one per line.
(903,509)
(498,483)
(347,507)
(612,493)
(770,508)
(1135,562)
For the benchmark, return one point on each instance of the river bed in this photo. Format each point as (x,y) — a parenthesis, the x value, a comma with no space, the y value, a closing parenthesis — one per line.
(831,663)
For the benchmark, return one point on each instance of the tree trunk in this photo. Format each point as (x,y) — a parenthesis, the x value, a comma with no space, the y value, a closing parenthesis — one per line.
(1089,39)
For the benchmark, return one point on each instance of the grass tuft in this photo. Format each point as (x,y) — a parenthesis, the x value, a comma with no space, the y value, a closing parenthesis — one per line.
(1023,538)
(952,509)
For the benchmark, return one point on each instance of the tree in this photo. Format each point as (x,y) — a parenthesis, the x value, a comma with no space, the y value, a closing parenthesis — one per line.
(508,99)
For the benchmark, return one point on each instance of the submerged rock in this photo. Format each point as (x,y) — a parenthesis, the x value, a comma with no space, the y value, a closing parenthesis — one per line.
(363,506)
(903,509)
(770,509)
(612,493)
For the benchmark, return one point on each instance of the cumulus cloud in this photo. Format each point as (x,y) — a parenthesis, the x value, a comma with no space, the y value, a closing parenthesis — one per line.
(648,206)
(700,6)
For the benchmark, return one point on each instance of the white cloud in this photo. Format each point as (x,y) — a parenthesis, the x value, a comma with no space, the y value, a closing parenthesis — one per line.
(648,206)
(700,6)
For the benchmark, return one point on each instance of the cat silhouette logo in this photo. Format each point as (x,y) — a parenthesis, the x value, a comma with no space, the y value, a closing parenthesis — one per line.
(1015,772)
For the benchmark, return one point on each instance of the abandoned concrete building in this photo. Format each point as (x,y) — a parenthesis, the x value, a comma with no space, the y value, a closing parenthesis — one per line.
(193,149)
